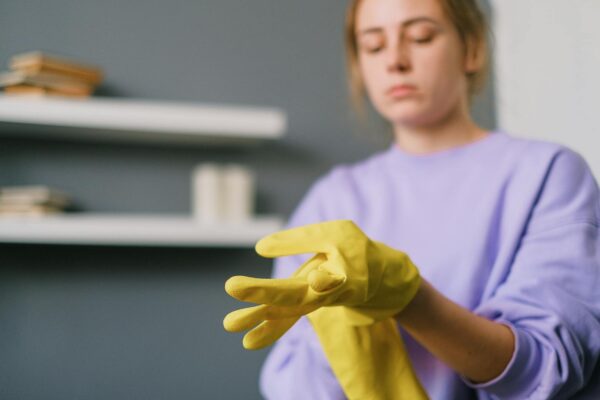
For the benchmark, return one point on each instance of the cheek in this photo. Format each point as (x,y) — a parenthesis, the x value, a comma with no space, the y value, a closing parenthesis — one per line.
(441,70)
(374,81)
(371,74)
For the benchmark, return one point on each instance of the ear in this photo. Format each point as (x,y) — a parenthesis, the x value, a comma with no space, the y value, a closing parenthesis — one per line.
(474,56)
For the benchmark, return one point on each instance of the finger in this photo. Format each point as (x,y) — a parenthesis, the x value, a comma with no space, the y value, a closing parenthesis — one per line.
(247,318)
(282,292)
(267,333)
(244,319)
(314,238)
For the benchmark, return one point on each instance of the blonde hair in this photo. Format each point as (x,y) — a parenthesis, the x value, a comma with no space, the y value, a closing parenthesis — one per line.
(467,18)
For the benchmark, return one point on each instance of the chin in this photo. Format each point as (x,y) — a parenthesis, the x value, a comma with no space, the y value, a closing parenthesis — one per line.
(408,115)
(413,113)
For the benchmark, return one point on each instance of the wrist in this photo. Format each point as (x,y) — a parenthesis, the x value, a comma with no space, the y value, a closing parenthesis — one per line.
(417,308)
(475,347)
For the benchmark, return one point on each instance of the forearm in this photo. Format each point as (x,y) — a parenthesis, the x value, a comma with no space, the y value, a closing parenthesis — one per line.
(475,347)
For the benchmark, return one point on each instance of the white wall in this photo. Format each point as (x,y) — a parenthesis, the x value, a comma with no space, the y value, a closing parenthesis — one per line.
(548,71)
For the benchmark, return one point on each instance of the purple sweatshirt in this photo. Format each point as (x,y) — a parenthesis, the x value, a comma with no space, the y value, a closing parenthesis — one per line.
(503,226)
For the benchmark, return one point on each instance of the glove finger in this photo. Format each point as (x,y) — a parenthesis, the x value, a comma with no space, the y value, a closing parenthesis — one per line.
(267,333)
(246,318)
(322,237)
(243,319)
(314,238)
(282,292)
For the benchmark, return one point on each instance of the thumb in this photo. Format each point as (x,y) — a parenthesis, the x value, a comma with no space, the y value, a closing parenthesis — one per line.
(321,281)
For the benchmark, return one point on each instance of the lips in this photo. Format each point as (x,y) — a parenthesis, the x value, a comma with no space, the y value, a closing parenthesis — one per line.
(401,90)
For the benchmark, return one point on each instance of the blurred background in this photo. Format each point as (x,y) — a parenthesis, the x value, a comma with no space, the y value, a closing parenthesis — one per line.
(145,322)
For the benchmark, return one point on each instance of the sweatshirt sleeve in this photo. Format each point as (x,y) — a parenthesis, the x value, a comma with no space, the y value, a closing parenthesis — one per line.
(551,296)
(296,367)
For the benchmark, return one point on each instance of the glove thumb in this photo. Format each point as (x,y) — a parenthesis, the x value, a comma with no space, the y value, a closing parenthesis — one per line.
(322,281)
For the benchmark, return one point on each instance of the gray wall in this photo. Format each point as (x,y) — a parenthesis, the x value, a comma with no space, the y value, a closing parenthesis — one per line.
(83,322)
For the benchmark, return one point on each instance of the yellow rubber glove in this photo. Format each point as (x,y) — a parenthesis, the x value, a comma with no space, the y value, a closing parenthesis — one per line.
(349,290)
(369,361)
(372,281)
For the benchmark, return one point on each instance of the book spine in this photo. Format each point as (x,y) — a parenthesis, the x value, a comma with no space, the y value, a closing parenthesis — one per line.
(93,77)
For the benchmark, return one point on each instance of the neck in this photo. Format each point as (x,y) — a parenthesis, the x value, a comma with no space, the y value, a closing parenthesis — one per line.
(456,129)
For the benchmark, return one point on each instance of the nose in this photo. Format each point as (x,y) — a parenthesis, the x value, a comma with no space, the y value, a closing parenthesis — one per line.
(399,57)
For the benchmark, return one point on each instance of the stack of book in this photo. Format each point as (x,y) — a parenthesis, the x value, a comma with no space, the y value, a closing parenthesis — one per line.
(32,201)
(42,74)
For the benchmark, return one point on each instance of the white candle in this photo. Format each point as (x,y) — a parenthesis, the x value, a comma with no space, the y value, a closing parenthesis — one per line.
(207,193)
(239,190)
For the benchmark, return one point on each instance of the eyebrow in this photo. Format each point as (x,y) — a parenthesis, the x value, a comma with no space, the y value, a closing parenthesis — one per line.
(404,24)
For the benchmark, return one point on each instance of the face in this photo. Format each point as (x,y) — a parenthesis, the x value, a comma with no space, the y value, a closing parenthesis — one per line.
(411,59)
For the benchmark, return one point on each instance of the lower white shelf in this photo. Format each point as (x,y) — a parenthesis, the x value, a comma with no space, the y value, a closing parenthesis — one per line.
(136,230)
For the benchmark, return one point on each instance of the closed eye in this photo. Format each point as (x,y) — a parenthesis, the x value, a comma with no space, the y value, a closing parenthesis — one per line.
(374,50)
(422,39)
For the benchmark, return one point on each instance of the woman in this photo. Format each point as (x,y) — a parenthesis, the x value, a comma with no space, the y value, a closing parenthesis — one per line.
(503,232)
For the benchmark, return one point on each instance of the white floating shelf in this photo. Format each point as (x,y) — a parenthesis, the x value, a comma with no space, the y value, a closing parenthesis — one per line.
(136,230)
(138,120)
